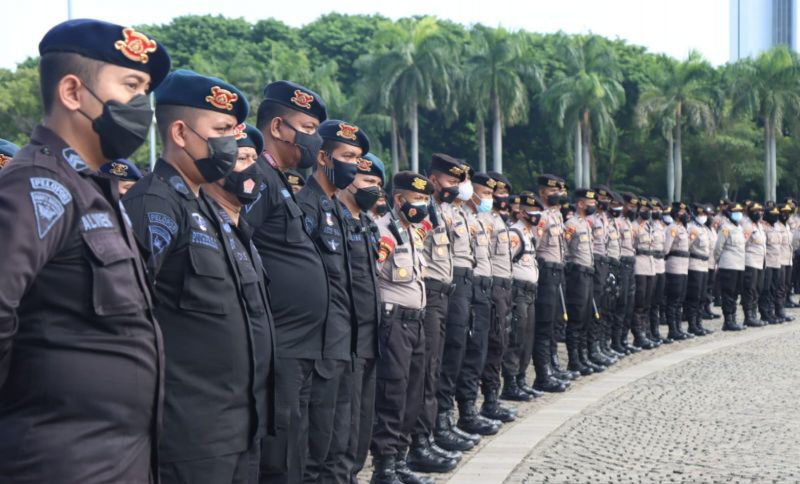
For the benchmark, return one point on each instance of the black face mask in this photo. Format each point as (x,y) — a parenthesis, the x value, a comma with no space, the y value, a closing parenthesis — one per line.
(505,217)
(122,128)
(244,184)
(448,195)
(616,212)
(565,212)
(563,198)
(644,214)
(342,174)
(656,215)
(784,217)
(602,206)
(755,216)
(309,145)
(381,209)
(553,199)
(630,215)
(415,213)
(222,153)
(771,218)
(500,203)
(533,219)
(684,218)
(366,198)
(590,210)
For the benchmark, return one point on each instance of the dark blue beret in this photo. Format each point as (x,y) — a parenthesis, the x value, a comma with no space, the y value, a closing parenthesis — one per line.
(7,151)
(248,135)
(297,97)
(342,132)
(111,43)
(370,164)
(408,180)
(188,88)
(122,169)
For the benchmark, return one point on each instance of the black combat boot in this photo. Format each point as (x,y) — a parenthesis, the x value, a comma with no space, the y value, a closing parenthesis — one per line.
(750,319)
(383,471)
(781,313)
(445,438)
(421,458)
(405,474)
(575,363)
(655,333)
(450,454)
(560,372)
(640,339)
(674,334)
(512,392)
(475,438)
(731,324)
(694,325)
(491,408)
(470,421)
(546,383)
(523,385)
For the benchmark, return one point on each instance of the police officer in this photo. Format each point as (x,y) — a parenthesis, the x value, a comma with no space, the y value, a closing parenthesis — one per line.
(550,302)
(500,256)
(124,172)
(699,256)
(644,275)
(657,305)
(786,261)
(425,454)
(560,324)
(514,208)
(627,283)
(730,260)
(523,309)
(296,180)
(81,357)
(288,118)
(711,228)
(401,335)
(337,163)
(755,252)
(604,280)
(772,265)
(381,207)
(7,151)
(676,248)
(613,286)
(215,407)
(351,436)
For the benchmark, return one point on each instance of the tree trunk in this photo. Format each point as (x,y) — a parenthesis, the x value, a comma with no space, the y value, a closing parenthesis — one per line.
(576,142)
(586,146)
(481,145)
(767,162)
(678,161)
(670,170)
(774,165)
(395,148)
(497,134)
(414,124)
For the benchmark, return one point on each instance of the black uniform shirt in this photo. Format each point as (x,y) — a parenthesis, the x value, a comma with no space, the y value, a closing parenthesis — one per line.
(208,407)
(299,295)
(80,352)
(362,241)
(323,223)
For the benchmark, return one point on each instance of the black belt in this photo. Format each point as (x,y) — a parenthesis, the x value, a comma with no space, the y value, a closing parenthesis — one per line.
(699,257)
(484,282)
(579,268)
(439,287)
(462,273)
(678,253)
(525,286)
(503,282)
(400,312)
(603,259)
(658,254)
(614,263)
(627,260)
(644,252)
(543,264)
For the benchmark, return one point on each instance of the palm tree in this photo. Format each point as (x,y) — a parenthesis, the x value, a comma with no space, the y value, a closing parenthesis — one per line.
(768,89)
(584,97)
(680,94)
(413,64)
(496,78)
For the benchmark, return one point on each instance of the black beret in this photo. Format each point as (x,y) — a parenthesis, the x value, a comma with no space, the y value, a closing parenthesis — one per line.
(785,207)
(528,199)
(502,180)
(677,206)
(295,178)
(122,169)
(448,165)
(617,198)
(548,180)
(698,208)
(7,151)
(372,165)
(248,135)
(188,88)
(656,203)
(485,180)
(602,191)
(630,198)
(342,132)
(296,97)
(408,180)
(644,202)
(515,199)
(586,193)
(110,43)
(772,207)
(755,207)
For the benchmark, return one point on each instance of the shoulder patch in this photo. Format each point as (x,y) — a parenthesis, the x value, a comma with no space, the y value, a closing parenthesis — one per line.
(725,231)
(164,220)
(673,232)
(48,210)
(179,185)
(386,247)
(52,186)
(160,238)
(285,193)
(74,159)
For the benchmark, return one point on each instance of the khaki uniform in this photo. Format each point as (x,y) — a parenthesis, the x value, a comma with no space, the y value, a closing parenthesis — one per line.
(401,267)
(676,248)
(699,247)
(643,245)
(499,244)
(549,237)
(730,248)
(523,252)
(578,236)
(659,266)
(460,236)
(756,245)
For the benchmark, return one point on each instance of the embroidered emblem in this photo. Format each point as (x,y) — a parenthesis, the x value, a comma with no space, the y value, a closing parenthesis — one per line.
(48,210)
(239,132)
(179,185)
(4,159)
(200,238)
(222,98)
(119,169)
(163,220)
(136,46)
(52,186)
(200,221)
(302,99)
(347,131)
(94,221)
(386,247)
(364,164)
(159,239)
(74,159)
(419,184)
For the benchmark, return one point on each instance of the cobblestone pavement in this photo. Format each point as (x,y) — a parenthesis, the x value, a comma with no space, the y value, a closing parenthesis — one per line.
(729,416)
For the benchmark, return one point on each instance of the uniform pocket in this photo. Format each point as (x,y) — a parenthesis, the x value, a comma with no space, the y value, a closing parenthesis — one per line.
(294,222)
(402,265)
(205,286)
(114,290)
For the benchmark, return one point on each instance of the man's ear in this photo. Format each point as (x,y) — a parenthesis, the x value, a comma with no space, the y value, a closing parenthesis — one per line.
(68,92)
(321,155)
(274,128)
(177,133)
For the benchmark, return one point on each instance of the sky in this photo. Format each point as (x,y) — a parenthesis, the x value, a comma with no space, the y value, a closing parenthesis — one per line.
(673,27)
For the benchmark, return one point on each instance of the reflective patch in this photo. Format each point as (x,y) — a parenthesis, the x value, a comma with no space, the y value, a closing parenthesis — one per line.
(200,221)
(159,239)
(285,193)
(94,221)
(74,159)
(250,206)
(226,227)
(48,209)
(52,186)
(204,239)
(334,244)
(179,185)
(164,220)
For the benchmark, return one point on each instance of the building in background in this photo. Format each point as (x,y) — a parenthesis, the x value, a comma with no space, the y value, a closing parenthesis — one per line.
(758,25)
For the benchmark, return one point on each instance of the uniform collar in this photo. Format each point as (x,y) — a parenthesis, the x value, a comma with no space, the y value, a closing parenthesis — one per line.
(171,177)
(55,146)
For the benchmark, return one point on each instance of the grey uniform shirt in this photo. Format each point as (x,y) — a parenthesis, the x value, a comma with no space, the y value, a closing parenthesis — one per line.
(480,244)
(786,243)
(525,267)
(499,244)
(438,250)
(699,247)
(659,267)
(549,236)
(626,237)
(578,234)
(614,247)
(729,251)
(676,239)
(755,248)
(459,236)
(643,245)
(401,267)
(772,258)
(599,222)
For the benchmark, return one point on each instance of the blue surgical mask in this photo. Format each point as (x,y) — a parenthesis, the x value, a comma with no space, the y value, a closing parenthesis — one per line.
(485,205)
(736,216)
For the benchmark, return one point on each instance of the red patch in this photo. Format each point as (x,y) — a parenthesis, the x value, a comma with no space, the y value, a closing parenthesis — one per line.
(222,98)
(249,185)
(4,159)
(426,225)
(239,132)
(302,99)
(386,248)
(136,46)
